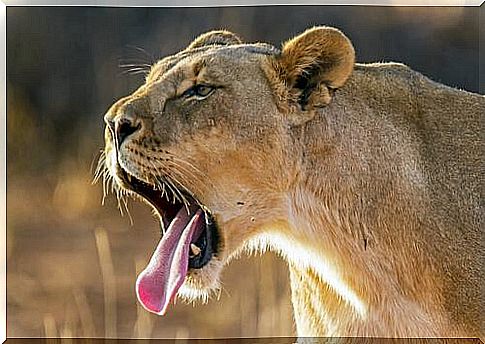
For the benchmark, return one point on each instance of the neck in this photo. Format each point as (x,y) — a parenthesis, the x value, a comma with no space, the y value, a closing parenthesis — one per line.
(344,284)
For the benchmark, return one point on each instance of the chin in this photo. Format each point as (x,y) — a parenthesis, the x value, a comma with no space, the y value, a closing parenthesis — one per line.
(201,284)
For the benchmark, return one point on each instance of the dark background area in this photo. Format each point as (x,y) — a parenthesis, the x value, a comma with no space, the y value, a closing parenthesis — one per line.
(71,262)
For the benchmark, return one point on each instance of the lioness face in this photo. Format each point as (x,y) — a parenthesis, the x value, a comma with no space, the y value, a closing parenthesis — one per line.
(204,141)
(197,142)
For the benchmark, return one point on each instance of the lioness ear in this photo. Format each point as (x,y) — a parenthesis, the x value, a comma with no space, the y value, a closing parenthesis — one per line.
(314,64)
(220,37)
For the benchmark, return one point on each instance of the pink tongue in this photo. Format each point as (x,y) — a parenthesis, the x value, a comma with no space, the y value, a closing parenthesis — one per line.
(158,284)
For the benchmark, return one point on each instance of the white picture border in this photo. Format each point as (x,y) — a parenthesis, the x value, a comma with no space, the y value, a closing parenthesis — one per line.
(132,3)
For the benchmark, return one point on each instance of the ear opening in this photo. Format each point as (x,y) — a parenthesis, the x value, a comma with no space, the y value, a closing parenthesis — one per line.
(314,64)
(310,88)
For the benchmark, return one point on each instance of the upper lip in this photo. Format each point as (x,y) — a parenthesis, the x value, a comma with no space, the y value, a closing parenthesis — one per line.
(163,200)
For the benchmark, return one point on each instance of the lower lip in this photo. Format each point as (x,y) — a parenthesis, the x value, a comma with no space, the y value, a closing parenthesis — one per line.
(210,236)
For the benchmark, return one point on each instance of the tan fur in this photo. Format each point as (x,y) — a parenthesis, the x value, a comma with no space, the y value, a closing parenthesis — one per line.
(366,179)
(221,37)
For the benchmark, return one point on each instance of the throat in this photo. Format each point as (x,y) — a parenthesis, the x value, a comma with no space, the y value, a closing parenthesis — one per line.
(318,309)
(316,281)
(342,287)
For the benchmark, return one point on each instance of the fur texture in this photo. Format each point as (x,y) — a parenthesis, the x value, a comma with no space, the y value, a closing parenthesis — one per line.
(366,178)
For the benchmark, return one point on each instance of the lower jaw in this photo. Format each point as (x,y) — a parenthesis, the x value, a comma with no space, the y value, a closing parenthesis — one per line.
(201,283)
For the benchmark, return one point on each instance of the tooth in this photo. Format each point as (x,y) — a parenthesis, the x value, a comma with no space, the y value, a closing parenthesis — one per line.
(128,177)
(195,249)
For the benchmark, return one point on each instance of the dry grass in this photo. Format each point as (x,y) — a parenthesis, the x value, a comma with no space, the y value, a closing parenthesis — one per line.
(85,315)
(144,324)
(64,277)
(109,282)
(74,275)
(50,327)
(72,263)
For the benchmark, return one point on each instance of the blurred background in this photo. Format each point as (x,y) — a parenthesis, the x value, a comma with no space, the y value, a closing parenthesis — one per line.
(72,263)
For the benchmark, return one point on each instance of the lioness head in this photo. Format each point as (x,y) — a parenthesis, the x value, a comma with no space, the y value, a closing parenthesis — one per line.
(209,142)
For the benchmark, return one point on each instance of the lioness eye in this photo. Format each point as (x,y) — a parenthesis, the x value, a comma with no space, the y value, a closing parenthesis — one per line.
(200,91)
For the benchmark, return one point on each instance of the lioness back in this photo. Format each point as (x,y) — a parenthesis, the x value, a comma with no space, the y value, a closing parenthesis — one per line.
(439,125)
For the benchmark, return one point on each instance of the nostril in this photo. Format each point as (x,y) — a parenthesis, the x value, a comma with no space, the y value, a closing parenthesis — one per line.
(124,129)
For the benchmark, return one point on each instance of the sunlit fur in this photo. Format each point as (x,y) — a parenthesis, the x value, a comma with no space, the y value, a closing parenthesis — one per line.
(203,283)
(364,178)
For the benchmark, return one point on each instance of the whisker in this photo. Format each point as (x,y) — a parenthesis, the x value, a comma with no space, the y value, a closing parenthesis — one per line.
(174,194)
(105,186)
(140,65)
(101,165)
(174,186)
(160,184)
(180,175)
(125,202)
(144,51)
(135,71)
(135,68)
(108,184)
(191,167)
(186,171)
(207,178)
(185,202)
(118,196)
(200,177)
(174,168)
(100,157)
(102,173)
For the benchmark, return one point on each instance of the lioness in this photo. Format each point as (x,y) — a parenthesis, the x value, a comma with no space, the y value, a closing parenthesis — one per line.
(364,177)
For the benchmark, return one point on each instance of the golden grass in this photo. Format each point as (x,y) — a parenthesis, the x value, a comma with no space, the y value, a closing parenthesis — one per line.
(67,280)
(109,282)
(144,325)
(85,313)
(50,327)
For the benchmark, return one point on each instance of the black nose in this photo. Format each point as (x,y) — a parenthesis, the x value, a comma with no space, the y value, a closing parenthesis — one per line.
(122,121)
(125,128)
(121,129)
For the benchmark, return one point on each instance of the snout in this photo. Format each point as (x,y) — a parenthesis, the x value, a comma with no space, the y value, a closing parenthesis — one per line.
(124,121)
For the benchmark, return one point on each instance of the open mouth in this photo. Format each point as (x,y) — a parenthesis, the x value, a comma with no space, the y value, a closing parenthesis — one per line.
(190,240)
